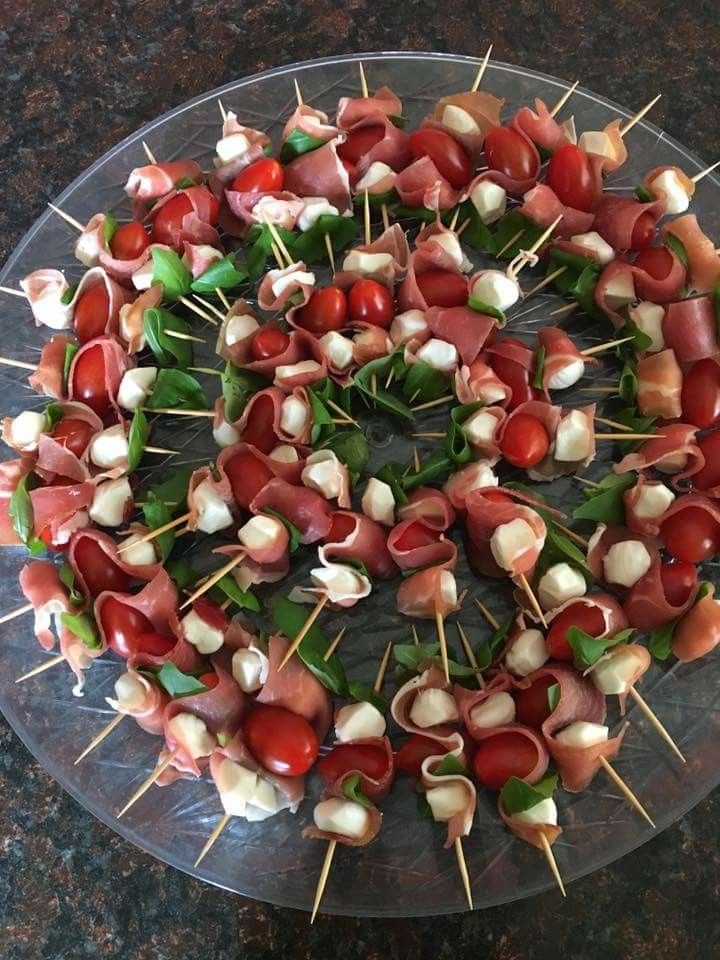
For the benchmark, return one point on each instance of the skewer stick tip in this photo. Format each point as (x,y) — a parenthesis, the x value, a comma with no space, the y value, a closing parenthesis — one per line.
(530,594)
(298,94)
(380,678)
(148,153)
(148,782)
(655,721)
(625,790)
(443,644)
(322,879)
(363,81)
(312,617)
(462,867)
(550,856)
(105,732)
(219,827)
(481,70)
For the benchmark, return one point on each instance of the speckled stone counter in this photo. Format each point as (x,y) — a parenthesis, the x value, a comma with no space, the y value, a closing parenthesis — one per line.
(75,78)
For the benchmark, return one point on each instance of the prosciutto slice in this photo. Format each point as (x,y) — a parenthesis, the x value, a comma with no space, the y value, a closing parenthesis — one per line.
(475,475)
(646,526)
(291,789)
(485,516)
(374,788)
(295,688)
(689,327)
(478,381)
(146,703)
(466,329)
(47,379)
(261,420)
(392,149)
(483,108)
(304,508)
(54,459)
(158,601)
(460,824)
(320,173)
(290,472)
(422,185)
(542,206)
(698,633)
(532,833)
(427,593)
(61,509)
(429,505)
(132,317)
(703,261)
(616,217)
(196,226)
(141,573)
(431,257)
(447,736)
(351,110)
(157,179)
(392,242)
(310,121)
(278,286)
(44,290)
(360,539)
(435,551)
(660,382)
(542,128)
(674,451)
(511,356)
(11,472)
(647,605)
(606,537)
(561,355)
(613,614)
(42,587)
(250,145)
(281,208)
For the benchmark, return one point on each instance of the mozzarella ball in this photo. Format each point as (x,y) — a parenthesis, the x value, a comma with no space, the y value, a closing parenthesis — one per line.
(109,448)
(407,326)
(527,653)
(232,146)
(213,513)
(573,438)
(626,562)
(301,369)
(356,721)
(620,291)
(138,552)
(439,354)
(225,434)
(614,673)
(344,817)
(447,800)
(239,327)
(597,141)
(567,375)
(284,453)
(294,416)
(496,711)
(480,428)
(315,207)
(366,263)
(260,533)
(135,387)
(648,317)
(202,635)
(432,707)
(192,734)
(130,693)
(490,201)
(247,669)
(378,502)
(653,500)
(594,243)
(376,172)
(25,431)
(338,349)
(511,539)
(458,120)
(560,583)
(496,289)
(110,500)
(325,474)
(675,195)
(583,734)
(451,245)
(541,813)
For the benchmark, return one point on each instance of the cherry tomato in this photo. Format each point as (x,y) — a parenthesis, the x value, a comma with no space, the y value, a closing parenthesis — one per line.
(497,496)
(589,619)
(209,680)
(350,168)
(525,441)
(326,310)
(691,535)
(88,381)
(91,313)
(129,241)
(443,288)
(514,374)
(167,225)
(153,643)
(446,153)
(360,142)
(122,626)
(259,429)
(409,758)
(98,570)
(247,475)
(370,302)
(701,394)
(679,581)
(74,434)
(368,759)
(570,176)
(416,535)
(531,705)
(263,176)
(510,153)
(657,262)
(268,343)
(46,536)
(281,741)
(341,527)
(709,476)
(643,232)
(503,756)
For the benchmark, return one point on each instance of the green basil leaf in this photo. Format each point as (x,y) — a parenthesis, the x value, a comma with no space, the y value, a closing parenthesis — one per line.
(110,226)
(703,590)
(289,619)
(518,796)
(351,789)
(156,515)
(423,383)
(363,692)
(184,183)
(238,386)
(479,306)
(643,194)
(298,143)
(173,491)
(323,425)
(539,368)
(415,657)
(661,639)
(171,272)
(137,439)
(177,389)
(639,343)
(677,247)
(182,573)
(259,242)
(574,265)
(83,627)
(396,121)
(560,549)
(351,448)
(167,350)
(293,532)
(423,807)
(629,383)
(476,234)
(553,696)
(605,503)
(456,442)
(310,246)
(450,766)
(20,508)
(391,473)
(635,424)
(67,578)
(227,587)
(383,398)
(403,212)
(177,683)
(488,651)
(390,198)
(67,297)
(70,350)
(53,415)
(587,650)
(510,225)
(583,290)
(437,465)
(220,275)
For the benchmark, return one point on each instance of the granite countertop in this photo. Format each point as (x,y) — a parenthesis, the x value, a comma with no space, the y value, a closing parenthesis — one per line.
(78,77)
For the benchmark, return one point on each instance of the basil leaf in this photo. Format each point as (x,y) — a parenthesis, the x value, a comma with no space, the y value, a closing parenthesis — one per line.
(396,121)
(560,549)
(177,683)
(415,657)
(70,350)
(389,198)
(639,343)
(137,439)
(351,789)
(221,274)
(67,297)
(508,226)
(677,247)
(423,383)
(605,503)
(635,424)
(414,213)
(518,796)
(177,389)
(479,306)
(391,473)
(643,194)
(238,386)
(293,532)
(157,515)
(583,290)
(227,587)
(167,350)
(53,415)
(383,398)
(184,183)
(310,246)
(351,448)
(587,650)
(574,264)
(171,272)
(289,619)
(20,508)
(436,466)
(67,578)
(297,143)
(173,491)
(83,627)
(259,243)
(553,696)
(110,226)
(476,234)
(450,766)
(182,573)
(488,651)
(323,425)
(661,639)
(363,692)
(629,383)
(539,368)
(457,446)
(423,807)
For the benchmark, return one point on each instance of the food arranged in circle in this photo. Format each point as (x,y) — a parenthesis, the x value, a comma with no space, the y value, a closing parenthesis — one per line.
(405,324)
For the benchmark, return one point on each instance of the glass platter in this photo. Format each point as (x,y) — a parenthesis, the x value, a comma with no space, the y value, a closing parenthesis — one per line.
(405,871)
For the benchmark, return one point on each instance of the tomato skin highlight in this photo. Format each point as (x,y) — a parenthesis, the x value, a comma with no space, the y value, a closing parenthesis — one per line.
(700,396)
(709,476)
(445,152)
(365,757)
(88,381)
(416,535)
(91,313)
(359,142)
(247,475)
(509,153)
(154,644)
(531,705)
(443,288)
(503,756)
(281,741)
(643,232)
(74,434)
(570,175)
(589,619)
(263,176)
(98,570)
(122,626)
(679,581)
(129,241)
(691,535)
(370,302)
(409,758)
(525,441)
(326,310)
(269,343)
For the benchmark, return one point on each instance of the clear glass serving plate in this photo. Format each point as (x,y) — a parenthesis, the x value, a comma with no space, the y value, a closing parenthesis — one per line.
(405,871)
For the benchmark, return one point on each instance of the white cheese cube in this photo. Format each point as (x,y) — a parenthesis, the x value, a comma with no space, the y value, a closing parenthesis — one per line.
(527,653)
(315,207)
(595,244)
(480,427)
(432,707)
(110,500)
(202,635)
(137,552)
(236,786)
(447,800)
(294,416)
(344,817)
(356,721)
(130,693)
(648,317)
(439,354)
(490,201)
(366,263)
(620,291)
(341,582)
(135,387)
(213,513)
(376,172)
(225,435)
(248,668)
(230,147)
(284,371)
(497,711)
(496,289)
(614,673)
(672,463)
(448,588)
(338,349)
(583,734)
(240,327)
(324,473)
(142,279)
(284,453)
(109,448)
(560,583)
(293,278)
(568,375)
(451,245)
(676,197)
(543,812)
(260,532)
(626,562)
(407,326)
(458,120)
(511,539)
(654,499)
(597,141)
(573,438)
(378,502)
(204,250)
(192,734)
(25,431)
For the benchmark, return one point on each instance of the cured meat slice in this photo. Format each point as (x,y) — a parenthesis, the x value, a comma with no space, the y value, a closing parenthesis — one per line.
(359,538)
(647,605)
(353,109)
(41,586)
(157,179)
(304,508)
(617,216)
(689,327)
(482,108)
(674,451)
(542,206)
(427,593)
(414,544)
(429,505)
(295,688)
(320,173)
(698,633)
(422,185)
(703,261)
(660,381)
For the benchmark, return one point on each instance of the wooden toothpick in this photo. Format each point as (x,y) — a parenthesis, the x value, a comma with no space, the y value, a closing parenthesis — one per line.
(366,218)
(703,173)
(462,867)
(481,70)
(544,283)
(472,659)
(510,242)
(146,784)
(363,81)
(41,668)
(654,720)
(219,827)
(440,626)
(564,99)
(625,790)
(212,580)
(148,153)
(322,879)
(178,521)
(330,253)
(223,111)
(382,669)
(26,608)
(312,617)
(530,594)
(550,856)
(608,345)
(526,255)
(334,645)
(67,218)
(638,116)
(298,94)
(486,613)
(105,732)
(434,403)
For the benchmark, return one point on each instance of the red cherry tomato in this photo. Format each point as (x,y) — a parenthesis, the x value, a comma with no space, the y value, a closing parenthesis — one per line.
(446,153)
(510,153)
(247,475)
(350,168)
(709,476)
(209,680)
(370,302)
(263,176)
(368,759)
(74,434)
(701,394)
(416,535)
(589,619)
(497,496)
(531,705)
(281,741)
(360,142)
(268,343)
(153,643)
(443,288)
(129,241)
(123,626)
(98,570)
(91,313)
(570,176)
(679,581)
(341,527)
(46,536)
(409,758)
(643,232)
(655,261)
(88,381)
(326,310)
(514,375)
(691,535)
(525,441)
(167,225)
(259,429)
(504,756)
